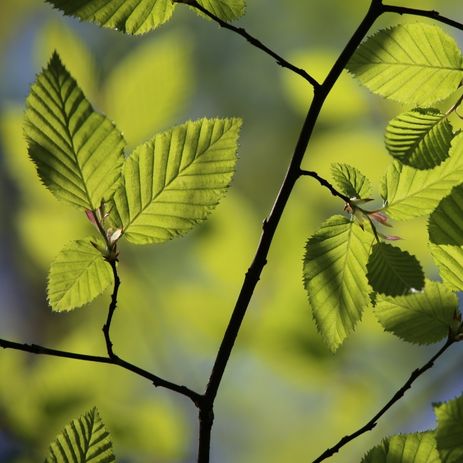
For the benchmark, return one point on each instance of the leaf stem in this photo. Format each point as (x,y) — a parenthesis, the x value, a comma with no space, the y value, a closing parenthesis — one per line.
(111,309)
(325,183)
(398,395)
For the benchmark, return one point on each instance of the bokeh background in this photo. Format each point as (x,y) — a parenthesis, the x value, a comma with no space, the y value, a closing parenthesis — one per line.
(284,397)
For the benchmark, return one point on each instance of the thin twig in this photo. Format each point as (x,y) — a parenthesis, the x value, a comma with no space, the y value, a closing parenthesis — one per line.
(397,396)
(115,360)
(111,309)
(253,41)
(325,183)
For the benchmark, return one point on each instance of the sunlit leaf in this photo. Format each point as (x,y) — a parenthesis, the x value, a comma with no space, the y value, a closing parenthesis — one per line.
(449,430)
(78,275)
(393,272)
(422,317)
(334,277)
(77,152)
(449,260)
(420,138)
(350,181)
(412,63)
(84,440)
(405,448)
(409,192)
(228,10)
(129,16)
(174,181)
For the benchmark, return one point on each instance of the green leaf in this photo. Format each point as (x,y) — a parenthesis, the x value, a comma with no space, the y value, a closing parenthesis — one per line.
(84,440)
(393,272)
(128,16)
(228,10)
(405,448)
(412,63)
(350,181)
(78,274)
(449,260)
(420,138)
(334,277)
(78,152)
(172,182)
(421,318)
(450,430)
(409,192)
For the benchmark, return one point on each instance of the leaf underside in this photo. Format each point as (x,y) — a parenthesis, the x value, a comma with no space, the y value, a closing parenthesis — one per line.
(78,152)
(228,10)
(78,275)
(173,182)
(334,277)
(393,272)
(350,181)
(420,138)
(449,430)
(415,64)
(84,440)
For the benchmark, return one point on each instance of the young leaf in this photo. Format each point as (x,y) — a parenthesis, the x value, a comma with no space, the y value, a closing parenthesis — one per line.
(84,440)
(334,277)
(128,16)
(412,193)
(350,181)
(421,318)
(228,10)
(420,138)
(78,152)
(405,448)
(78,275)
(412,63)
(449,430)
(174,181)
(449,260)
(393,272)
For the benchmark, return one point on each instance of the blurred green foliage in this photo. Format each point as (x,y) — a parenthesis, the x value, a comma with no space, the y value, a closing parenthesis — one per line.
(285,397)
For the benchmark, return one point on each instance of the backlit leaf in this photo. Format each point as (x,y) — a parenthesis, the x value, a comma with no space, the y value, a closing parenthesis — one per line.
(449,260)
(450,430)
(174,181)
(77,151)
(334,277)
(228,10)
(393,272)
(350,181)
(84,440)
(129,16)
(422,317)
(78,275)
(420,138)
(412,63)
(409,192)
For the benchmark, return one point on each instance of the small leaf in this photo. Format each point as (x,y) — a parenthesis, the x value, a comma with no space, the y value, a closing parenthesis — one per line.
(420,138)
(423,317)
(449,260)
(173,182)
(334,277)
(350,181)
(450,430)
(84,440)
(410,193)
(227,10)
(393,272)
(405,448)
(128,16)
(412,63)
(78,152)
(78,275)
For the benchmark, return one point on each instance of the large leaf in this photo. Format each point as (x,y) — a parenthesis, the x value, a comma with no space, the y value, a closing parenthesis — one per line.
(409,192)
(412,63)
(420,138)
(334,277)
(78,152)
(393,272)
(84,440)
(405,448)
(350,181)
(174,181)
(422,318)
(78,274)
(129,16)
(450,430)
(227,10)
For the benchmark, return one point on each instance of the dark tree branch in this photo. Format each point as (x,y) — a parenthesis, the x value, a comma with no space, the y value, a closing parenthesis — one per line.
(111,309)
(397,396)
(253,41)
(114,360)
(325,183)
